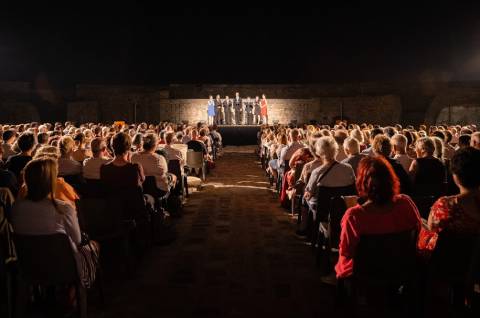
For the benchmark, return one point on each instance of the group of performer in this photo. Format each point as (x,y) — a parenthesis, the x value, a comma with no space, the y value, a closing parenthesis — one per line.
(237,111)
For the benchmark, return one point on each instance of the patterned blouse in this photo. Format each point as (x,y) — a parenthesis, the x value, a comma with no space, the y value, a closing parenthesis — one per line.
(447,213)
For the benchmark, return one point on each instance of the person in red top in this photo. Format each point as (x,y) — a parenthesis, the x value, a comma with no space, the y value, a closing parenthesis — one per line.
(263,109)
(381,210)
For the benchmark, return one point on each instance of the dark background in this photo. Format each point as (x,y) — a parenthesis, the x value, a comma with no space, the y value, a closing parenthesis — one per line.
(159,45)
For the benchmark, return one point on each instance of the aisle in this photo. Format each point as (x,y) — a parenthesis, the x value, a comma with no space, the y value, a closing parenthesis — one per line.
(236,256)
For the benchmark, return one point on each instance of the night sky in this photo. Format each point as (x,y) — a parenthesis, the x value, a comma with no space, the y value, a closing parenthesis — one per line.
(143,45)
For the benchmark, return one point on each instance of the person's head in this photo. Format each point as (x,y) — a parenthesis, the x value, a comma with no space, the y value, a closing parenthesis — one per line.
(8,136)
(326,148)
(121,144)
(47,151)
(389,131)
(66,145)
(312,141)
(351,146)
(169,137)
(263,96)
(40,178)
(439,148)
(26,142)
(475,140)
(137,141)
(382,146)
(374,132)
(376,180)
(79,139)
(294,135)
(42,138)
(399,143)
(237,94)
(282,139)
(340,136)
(358,135)
(465,168)
(440,134)
(210,97)
(150,142)
(424,147)
(98,147)
(464,141)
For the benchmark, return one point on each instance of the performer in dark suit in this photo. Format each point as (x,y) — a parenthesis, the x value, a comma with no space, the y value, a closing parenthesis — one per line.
(219,111)
(249,111)
(238,106)
(228,110)
(256,111)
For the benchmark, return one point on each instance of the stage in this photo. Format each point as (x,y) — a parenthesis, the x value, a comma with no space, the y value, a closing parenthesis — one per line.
(239,135)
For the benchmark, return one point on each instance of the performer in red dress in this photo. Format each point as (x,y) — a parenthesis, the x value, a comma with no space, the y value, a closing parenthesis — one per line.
(263,109)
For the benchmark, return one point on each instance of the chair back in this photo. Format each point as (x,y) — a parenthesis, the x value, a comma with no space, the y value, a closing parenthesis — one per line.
(424,204)
(46,259)
(100,217)
(94,188)
(386,258)
(325,195)
(455,257)
(195,159)
(182,147)
(150,186)
(76,181)
(337,210)
(175,168)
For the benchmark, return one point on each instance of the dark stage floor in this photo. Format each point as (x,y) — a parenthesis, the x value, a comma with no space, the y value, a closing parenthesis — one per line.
(238,135)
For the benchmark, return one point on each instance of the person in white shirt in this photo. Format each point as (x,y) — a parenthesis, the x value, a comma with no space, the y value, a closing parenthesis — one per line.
(91,166)
(399,143)
(173,153)
(7,146)
(66,165)
(475,140)
(153,164)
(289,150)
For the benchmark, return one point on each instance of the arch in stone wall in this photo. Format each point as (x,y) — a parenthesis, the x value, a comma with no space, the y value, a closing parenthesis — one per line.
(451,98)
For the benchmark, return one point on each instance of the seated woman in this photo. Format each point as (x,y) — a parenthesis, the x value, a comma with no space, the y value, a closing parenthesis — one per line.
(459,213)
(427,172)
(81,153)
(16,163)
(39,213)
(275,149)
(66,165)
(383,210)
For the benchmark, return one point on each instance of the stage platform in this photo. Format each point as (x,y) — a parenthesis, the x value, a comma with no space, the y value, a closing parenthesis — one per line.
(240,135)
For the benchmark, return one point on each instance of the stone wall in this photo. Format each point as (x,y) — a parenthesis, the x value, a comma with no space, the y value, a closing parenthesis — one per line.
(14,112)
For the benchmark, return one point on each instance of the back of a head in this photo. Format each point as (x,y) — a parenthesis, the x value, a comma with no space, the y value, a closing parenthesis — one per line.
(439,148)
(399,142)
(312,141)
(40,178)
(326,148)
(294,133)
(376,180)
(150,142)
(465,165)
(79,138)
(42,138)
(169,138)
(66,145)
(464,141)
(47,151)
(98,145)
(340,136)
(26,141)
(351,145)
(425,145)
(374,132)
(8,134)
(121,143)
(382,146)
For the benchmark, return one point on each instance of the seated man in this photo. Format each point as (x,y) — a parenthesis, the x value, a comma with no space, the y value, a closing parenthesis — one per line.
(352,150)
(91,166)
(154,164)
(16,163)
(173,153)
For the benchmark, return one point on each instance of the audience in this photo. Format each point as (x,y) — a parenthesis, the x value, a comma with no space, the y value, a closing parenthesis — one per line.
(8,137)
(91,165)
(351,147)
(66,165)
(17,162)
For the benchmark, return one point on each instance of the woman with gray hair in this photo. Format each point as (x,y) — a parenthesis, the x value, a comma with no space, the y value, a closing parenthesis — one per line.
(428,173)
(330,174)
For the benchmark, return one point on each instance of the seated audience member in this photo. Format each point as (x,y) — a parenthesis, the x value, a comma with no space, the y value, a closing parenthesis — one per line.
(439,148)
(381,210)
(463,141)
(449,150)
(81,153)
(121,174)
(288,151)
(172,153)
(8,180)
(340,136)
(91,166)
(137,143)
(153,164)
(351,147)
(16,163)
(374,132)
(427,172)
(330,174)
(66,165)
(8,137)
(42,140)
(382,147)
(197,146)
(275,150)
(187,136)
(178,138)
(358,135)
(399,143)
(63,191)
(475,140)
(41,214)
(313,164)
(458,213)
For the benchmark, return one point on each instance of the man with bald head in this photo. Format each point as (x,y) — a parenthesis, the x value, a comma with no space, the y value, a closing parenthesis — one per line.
(475,140)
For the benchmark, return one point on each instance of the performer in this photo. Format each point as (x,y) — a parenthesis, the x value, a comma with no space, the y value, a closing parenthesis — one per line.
(238,106)
(256,111)
(249,111)
(263,109)
(219,111)
(228,110)
(211,110)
